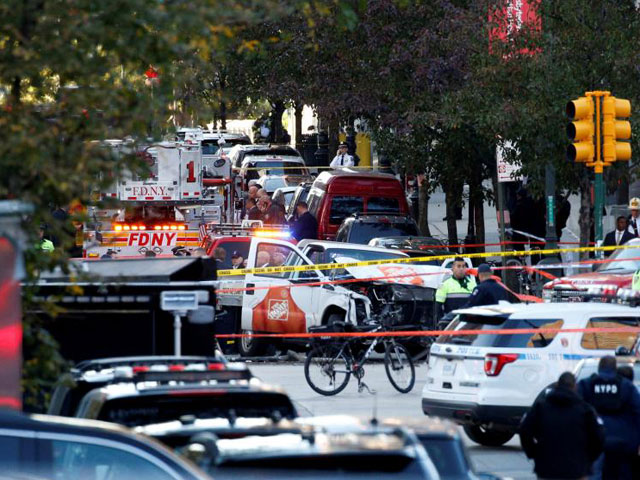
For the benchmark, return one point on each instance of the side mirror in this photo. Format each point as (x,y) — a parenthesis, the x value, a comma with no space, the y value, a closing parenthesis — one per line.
(204,315)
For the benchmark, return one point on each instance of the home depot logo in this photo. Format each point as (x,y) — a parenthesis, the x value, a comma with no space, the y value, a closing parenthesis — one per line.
(278,310)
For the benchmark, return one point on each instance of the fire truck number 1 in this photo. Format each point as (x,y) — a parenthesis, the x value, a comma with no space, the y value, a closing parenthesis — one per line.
(190,167)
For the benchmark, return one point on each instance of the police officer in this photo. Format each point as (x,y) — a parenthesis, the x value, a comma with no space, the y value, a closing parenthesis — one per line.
(455,291)
(634,216)
(488,291)
(617,402)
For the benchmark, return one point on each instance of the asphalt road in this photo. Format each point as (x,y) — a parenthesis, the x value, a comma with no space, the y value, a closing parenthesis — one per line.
(508,461)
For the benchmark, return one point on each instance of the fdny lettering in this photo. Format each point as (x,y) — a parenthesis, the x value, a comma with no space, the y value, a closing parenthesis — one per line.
(606,388)
(156,191)
(160,239)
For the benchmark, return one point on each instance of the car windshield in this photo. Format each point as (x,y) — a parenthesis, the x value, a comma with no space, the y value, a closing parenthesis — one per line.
(272,184)
(448,457)
(625,259)
(274,167)
(210,147)
(363,232)
(520,340)
(360,255)
(382,205)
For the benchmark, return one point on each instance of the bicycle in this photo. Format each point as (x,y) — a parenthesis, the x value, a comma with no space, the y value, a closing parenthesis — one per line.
(333,362)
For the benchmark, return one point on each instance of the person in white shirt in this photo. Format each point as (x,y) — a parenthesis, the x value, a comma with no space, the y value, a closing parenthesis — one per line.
(342,159)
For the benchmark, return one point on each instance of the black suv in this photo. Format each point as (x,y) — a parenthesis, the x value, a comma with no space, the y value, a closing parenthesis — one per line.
(145,390)
(362,228)
(42,446)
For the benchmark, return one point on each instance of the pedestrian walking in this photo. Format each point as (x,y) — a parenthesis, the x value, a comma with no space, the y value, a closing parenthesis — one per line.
(488,291)
(562,433)
(305,225)
(617,402)
(456,290)
(342,158)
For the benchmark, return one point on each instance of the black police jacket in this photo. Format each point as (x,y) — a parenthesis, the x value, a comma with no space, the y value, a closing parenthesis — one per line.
(488,292)
(617,401)
(562,434)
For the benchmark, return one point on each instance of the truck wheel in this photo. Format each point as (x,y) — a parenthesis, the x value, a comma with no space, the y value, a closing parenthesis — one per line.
(487,437)
(335,317)
(250,347)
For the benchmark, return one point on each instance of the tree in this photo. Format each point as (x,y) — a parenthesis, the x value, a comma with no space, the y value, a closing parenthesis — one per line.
(73,73)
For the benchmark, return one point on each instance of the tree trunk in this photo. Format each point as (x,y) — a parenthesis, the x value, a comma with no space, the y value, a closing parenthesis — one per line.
(334,130)
(452,226)
(223,115)
(471,224)
(586,214)
(423,208)
(276,122)
(298,118)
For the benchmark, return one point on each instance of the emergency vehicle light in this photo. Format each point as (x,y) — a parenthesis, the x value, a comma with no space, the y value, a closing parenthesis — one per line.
(272,233)
(119,228)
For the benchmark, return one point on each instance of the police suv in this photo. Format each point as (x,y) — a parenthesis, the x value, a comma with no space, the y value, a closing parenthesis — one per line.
(487,381)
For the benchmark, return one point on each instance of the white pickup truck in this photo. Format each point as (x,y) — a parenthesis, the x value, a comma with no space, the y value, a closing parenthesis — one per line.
(278,302)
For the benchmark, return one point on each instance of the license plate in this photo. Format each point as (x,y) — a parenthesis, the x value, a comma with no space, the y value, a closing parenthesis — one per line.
(449,368)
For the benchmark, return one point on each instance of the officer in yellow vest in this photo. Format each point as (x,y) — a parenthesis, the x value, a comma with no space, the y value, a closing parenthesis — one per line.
(455,291)
(45,244)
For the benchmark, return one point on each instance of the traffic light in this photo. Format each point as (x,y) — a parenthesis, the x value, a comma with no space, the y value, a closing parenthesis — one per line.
(581,130)
(614,130)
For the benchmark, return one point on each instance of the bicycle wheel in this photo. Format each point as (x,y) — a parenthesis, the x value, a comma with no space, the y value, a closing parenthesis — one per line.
(399,367)
(327,369)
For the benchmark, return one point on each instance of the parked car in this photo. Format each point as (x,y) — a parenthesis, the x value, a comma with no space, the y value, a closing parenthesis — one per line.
(611,276)
(300,195)
(43,446)
(337,194)
(315,453)
(141,391)
(487,382)
(362,228)
(239,153)
(284,195)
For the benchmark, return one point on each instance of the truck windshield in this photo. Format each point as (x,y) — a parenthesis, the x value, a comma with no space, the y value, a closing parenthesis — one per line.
(364,232)
(626,259)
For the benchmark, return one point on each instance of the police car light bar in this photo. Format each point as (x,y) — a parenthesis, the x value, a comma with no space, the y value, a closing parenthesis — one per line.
(272,233)
(192,376)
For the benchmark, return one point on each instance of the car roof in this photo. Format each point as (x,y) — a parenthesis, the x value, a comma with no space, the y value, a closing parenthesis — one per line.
(349,246)
(327,175)
(548,310)
(377,217)
(285,189)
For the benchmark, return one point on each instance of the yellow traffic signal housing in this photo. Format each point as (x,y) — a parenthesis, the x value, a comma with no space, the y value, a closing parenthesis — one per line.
(614,130)
(581,130)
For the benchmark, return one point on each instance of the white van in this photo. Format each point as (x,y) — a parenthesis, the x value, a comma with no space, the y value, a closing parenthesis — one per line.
(487,382)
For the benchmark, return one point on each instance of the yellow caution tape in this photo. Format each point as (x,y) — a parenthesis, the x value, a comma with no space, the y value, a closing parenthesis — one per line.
(367,263)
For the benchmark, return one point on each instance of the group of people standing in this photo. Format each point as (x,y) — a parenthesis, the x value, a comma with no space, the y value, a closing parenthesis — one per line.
(260,206)
(586,430)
